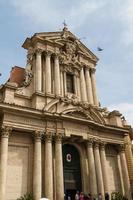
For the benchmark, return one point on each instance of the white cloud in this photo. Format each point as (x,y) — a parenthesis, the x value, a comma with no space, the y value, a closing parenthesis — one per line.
(126,17)
(48,12)
(126,109)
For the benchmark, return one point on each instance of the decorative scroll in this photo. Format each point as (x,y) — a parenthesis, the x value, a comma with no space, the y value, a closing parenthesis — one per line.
(30,55)
(28,77)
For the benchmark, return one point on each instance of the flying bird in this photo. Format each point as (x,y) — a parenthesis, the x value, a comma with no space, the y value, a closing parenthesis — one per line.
(0,74)
(99,49)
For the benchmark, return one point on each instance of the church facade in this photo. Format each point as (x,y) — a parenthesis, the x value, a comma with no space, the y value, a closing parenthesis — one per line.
(55,137)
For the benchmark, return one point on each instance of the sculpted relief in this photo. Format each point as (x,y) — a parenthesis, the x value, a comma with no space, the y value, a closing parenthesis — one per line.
(69,53)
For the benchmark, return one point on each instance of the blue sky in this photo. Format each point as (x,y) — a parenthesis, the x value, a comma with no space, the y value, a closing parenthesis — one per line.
(104,23)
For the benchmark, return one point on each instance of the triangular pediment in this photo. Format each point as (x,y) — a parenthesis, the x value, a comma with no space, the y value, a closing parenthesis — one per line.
(61,39)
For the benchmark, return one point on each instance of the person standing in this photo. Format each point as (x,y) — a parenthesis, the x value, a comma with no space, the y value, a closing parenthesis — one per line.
(81,196)
(106,196)
(77,195)
(99,196)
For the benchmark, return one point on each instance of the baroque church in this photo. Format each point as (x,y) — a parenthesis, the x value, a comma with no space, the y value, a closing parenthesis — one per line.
(55,138)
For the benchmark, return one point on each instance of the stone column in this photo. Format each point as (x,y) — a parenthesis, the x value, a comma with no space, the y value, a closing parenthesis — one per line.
(48,73)
(37,170)
(3,160)
(65,89)
(75,85)
(104,167)
(57,75)
(78,88)
(83,86)
(93,81)
(43,74)
(59,168)
(88,86)
(62,84)
(129,158)
(92,172)
(125,172)
(38,74)
(48,182)
(98,169)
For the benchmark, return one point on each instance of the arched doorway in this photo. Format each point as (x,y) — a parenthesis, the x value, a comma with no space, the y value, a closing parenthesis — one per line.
(72,170)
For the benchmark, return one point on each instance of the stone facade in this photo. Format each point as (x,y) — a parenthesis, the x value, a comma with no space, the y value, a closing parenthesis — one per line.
(55,139)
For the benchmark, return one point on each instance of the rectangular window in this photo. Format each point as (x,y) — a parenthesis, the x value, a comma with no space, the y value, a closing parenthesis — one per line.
(70,83)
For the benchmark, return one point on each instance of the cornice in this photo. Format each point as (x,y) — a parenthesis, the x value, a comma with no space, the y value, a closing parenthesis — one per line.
(47,115)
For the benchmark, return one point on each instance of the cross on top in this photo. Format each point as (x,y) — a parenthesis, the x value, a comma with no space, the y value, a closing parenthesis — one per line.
(64,23)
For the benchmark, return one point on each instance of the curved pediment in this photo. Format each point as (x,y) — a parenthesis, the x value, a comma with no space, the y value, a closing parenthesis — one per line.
(81,111)
(90,114)
(77,112)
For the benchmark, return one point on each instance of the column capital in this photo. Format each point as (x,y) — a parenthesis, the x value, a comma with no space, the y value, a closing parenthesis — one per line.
(56,55)
(87,67)
(38,134)
(5,131)
(58,138)
(48,53)
(39,51)
(48,136)
(122,148)
(90,142)
(102,145)
(93,70)
(96,144)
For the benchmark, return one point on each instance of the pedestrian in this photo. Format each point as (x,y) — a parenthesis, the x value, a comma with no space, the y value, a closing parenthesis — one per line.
(99,196)
(77,195)
(81,196)
(106,196)
(89,196)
